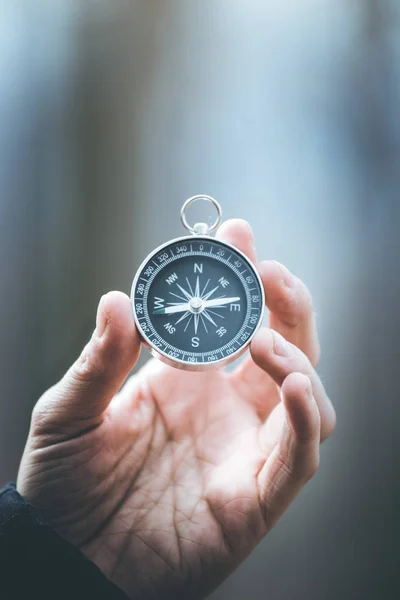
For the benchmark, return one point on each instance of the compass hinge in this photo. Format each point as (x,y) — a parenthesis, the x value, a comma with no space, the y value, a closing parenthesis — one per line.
(201,229)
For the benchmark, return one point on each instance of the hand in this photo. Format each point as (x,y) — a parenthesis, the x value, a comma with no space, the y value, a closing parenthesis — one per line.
(169,483)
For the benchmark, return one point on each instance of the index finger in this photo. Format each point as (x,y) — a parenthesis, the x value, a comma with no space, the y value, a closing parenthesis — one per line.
(291,308)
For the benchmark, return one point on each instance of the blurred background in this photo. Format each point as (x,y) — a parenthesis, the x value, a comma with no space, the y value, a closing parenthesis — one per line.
(112,113)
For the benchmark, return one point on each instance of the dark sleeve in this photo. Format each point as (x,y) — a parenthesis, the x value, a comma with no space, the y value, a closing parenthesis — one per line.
(35,562)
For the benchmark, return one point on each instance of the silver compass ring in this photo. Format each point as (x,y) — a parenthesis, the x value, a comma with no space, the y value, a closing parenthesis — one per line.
(205,229)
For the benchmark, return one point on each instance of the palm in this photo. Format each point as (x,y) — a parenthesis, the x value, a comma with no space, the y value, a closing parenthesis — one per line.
(178,469)
(170,483)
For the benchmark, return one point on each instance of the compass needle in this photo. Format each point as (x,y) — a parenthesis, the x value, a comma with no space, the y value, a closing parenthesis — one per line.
(172,309)
(217,302)
(196,323)
(197,289)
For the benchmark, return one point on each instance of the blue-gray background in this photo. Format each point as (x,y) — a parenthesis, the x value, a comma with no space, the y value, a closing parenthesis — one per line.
(112,112)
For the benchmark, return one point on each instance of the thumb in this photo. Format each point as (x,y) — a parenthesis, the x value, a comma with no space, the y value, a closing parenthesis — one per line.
(78,401)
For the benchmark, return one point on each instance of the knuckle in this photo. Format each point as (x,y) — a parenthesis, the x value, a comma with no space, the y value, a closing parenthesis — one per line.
(311,467)
(288,308)
(301,465)
(286,467)
(87,368)
(298,362)
(295,304)
(38,416)
(41,412)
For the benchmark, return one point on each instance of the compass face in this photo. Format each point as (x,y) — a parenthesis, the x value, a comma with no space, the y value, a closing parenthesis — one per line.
(197,302)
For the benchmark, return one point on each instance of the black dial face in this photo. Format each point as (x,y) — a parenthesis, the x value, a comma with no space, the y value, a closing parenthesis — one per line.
(197,300)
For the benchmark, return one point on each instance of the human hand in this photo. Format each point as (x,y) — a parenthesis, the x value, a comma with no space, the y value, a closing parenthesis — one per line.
(168,484)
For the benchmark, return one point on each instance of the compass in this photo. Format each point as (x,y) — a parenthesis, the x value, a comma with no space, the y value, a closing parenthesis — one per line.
(197,301)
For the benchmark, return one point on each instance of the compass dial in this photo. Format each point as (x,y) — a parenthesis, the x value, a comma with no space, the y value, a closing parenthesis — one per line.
(197,302)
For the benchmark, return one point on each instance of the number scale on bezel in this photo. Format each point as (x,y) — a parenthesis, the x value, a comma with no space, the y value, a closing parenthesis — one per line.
(197,302)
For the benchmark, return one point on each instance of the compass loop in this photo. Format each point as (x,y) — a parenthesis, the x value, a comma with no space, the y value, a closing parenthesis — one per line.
(201,228)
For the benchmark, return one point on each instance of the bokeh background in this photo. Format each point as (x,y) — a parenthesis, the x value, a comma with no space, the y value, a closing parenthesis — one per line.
(112,113)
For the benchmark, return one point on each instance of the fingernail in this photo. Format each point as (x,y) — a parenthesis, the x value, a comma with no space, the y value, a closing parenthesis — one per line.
(309,389)
(245,225)
(288,279)
(101,320)
(281,346)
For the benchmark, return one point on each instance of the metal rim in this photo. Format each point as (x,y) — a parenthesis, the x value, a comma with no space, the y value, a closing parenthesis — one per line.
(190,201)
(180,364)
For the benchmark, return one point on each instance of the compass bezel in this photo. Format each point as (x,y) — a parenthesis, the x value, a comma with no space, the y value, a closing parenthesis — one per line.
(183,364)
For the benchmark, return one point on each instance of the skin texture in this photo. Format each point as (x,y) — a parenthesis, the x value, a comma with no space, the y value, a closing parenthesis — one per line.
(168,483)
